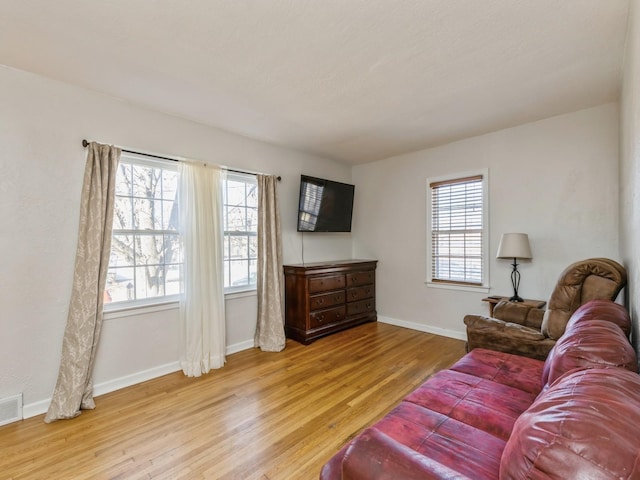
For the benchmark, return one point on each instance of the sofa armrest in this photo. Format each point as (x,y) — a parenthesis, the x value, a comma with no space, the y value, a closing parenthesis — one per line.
(518,313)
(374,455)
(493,325)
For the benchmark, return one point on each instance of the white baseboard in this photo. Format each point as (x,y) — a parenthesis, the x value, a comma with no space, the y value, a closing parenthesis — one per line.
(424,328)
(38,408)
(138,377)
(239,347)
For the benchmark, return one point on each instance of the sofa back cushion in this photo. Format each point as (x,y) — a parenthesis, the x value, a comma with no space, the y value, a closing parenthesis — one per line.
(584,426)
(591,343)
(602,310)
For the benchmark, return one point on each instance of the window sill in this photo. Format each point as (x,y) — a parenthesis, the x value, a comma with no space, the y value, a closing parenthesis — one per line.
(233,294)
(451,286)
(132,310)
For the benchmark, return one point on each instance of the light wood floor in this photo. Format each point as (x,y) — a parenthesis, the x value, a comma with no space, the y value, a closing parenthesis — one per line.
(263,416)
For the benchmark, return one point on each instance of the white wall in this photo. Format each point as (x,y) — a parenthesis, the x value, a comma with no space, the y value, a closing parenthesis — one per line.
(556,179)
(42,124)
(630,167)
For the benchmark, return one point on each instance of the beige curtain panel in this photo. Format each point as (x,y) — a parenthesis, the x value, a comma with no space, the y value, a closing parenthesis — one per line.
(74,388)
(269,336)
(202,309)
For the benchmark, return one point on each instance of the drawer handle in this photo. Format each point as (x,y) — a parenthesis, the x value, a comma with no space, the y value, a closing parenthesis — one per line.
(337,315)
(320,318)
(338,298)
(320,301)
(354,294)
(369,305)
(355,279)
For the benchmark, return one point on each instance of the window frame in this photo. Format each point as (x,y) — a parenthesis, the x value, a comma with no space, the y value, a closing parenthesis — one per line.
(247,178)
(455,284)
(160,301)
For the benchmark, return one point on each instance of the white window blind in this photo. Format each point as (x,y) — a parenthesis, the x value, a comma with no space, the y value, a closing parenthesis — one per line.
(457,222)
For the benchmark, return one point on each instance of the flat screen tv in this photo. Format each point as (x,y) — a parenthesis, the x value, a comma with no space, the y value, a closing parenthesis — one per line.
(324,205)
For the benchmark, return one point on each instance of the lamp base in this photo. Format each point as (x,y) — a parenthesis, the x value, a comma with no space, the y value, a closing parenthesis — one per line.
(516,298)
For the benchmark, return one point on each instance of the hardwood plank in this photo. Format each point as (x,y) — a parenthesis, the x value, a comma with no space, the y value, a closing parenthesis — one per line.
(264,416)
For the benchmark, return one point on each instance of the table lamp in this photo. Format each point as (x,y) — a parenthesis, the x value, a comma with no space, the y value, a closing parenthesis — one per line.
(514,245)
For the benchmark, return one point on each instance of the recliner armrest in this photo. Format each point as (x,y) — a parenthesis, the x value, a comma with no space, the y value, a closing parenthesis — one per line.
(510,330)
(518,313)
(376,455)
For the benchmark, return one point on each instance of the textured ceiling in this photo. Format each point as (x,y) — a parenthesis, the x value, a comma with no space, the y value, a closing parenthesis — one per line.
(353,80)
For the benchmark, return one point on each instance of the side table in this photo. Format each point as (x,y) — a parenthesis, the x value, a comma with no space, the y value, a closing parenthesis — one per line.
(494,300)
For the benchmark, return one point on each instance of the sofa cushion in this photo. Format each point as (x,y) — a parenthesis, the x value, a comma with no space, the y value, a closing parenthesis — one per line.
(480,403)
(602,310)
(522,373)
(583,426)
(376,455)
(456,445)
(589,343)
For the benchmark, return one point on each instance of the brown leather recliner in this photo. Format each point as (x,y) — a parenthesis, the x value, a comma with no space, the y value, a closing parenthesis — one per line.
(532,332)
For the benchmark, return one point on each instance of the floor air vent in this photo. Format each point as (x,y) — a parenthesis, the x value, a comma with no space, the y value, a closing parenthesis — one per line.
(10,409)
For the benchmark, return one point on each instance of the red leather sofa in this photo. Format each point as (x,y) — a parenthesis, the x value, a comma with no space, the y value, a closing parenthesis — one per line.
(498,415)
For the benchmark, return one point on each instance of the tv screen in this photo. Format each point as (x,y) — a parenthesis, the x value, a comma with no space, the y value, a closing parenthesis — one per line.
(324,205)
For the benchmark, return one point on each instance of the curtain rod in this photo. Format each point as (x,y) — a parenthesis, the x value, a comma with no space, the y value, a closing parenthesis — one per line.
(85,144)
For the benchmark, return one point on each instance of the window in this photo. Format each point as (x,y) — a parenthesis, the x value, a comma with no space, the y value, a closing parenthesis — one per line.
(240,231)
(457,231)
(145,260)
(146,257)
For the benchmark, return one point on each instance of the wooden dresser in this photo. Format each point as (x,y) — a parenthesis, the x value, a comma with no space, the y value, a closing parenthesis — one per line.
(323,298)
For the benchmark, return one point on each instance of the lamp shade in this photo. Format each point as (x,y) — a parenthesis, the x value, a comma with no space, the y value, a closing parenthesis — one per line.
(514,245)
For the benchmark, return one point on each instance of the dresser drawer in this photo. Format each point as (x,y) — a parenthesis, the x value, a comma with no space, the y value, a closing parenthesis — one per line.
(360,278)
(326,317)
(326,300)
(360,293)
(325,284)
(364,306)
